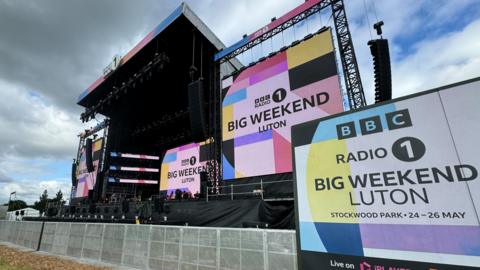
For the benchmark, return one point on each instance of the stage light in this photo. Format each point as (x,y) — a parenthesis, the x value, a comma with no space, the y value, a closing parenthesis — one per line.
(378,26)
(308,36)
(272,54)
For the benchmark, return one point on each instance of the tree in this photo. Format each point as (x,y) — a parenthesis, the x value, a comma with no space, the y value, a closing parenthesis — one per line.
(59,196)
(16,204)
(41,205)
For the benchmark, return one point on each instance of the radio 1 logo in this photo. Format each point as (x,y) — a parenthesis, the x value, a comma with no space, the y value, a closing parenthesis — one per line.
(189,161)
(277,96)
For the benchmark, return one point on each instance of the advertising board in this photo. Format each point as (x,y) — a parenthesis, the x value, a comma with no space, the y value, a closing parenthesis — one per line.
(392,186)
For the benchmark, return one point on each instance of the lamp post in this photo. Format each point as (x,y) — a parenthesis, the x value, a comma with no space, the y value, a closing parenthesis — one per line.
(10,199)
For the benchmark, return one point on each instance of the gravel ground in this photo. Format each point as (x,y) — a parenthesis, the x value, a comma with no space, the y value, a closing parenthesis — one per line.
(11,258)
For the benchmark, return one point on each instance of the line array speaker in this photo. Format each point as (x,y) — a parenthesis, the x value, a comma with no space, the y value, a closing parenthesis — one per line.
(88,154)
(74,174)
(381,65)
(196,103)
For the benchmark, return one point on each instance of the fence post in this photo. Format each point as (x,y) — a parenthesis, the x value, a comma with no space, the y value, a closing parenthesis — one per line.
(261,188)
(207,194)
(41,235)
(231,192)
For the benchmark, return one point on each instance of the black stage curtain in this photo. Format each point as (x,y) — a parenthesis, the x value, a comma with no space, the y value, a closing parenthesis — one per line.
(226,213)
(251,212)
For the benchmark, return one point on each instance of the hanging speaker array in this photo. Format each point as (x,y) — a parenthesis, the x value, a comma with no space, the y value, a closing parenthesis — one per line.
(196,103)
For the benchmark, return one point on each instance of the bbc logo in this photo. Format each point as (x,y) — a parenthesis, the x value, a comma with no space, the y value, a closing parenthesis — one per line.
(373,124)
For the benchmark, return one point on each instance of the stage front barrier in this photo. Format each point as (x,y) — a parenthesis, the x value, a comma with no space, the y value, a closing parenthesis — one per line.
(159,247)
(22,233)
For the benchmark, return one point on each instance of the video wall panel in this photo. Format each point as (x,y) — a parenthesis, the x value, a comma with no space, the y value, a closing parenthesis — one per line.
(181,168)
(262,102)
(86,180)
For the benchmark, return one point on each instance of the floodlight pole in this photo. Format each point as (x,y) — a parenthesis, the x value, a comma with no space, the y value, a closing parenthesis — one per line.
(10,199)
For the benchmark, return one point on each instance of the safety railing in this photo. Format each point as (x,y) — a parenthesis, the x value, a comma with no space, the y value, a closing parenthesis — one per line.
(259,189)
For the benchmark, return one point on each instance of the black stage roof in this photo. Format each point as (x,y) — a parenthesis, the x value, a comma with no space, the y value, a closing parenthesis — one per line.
(146,96)
(172,36)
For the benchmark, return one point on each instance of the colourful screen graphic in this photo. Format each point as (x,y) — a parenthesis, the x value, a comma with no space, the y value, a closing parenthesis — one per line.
(181,168)
(264,101)
(86,180)
(398,181)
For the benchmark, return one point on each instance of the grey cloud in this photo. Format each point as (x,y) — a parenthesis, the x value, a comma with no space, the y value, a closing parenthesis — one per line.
(58,48)
(5,178)
(55,50)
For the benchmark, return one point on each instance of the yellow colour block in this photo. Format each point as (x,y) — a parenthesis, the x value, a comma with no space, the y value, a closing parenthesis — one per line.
(97,145)
(321,163)
(310,49)
(164,177)
(227,116)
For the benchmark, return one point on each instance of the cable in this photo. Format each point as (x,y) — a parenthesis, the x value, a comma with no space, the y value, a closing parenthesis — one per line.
(368,19)
(375,10)
(193,48)
(193,69)
(201,58)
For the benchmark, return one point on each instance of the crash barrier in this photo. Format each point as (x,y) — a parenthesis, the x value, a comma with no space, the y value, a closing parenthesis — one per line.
(158,247)
(23,233)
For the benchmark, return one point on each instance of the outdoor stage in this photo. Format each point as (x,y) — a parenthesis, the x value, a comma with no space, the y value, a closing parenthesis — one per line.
(195,135)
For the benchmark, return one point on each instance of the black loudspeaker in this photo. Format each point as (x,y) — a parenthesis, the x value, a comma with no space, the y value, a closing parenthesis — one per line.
(159,205)
(203,184)
(74,174)
(203,177)
(196,104)
(381,65)
(88,155)
(91,208)
(90,195)
(125,206)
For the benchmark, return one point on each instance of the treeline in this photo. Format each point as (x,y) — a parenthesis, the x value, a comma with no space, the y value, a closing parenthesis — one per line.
(40,205)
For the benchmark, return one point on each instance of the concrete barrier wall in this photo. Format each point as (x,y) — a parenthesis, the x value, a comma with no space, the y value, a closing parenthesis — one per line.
(160,247)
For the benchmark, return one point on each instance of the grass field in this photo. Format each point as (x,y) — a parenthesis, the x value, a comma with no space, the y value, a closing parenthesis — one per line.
(14,259)
(5,266)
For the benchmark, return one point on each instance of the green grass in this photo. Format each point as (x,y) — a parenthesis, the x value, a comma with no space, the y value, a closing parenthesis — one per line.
(5,266)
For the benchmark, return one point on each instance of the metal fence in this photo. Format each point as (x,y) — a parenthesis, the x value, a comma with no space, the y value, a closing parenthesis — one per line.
(159,247)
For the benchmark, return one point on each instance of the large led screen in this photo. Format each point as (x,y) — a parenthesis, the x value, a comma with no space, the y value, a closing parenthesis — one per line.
(394,186)
(181,168)
(86,180)
(262,102)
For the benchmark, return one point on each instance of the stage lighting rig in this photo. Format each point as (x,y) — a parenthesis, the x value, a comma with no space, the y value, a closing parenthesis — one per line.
(158,63)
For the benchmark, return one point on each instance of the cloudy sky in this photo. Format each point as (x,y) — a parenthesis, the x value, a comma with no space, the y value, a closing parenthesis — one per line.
(51,50)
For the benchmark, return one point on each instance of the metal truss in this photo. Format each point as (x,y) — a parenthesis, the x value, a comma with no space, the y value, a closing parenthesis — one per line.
(287,24)
(353,82)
